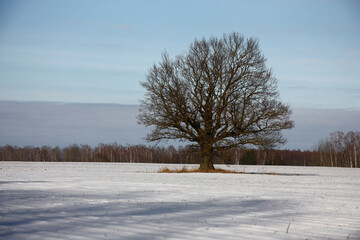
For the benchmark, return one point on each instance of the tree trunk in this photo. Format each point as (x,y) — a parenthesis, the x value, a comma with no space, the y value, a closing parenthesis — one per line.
(355,160)
(206,153)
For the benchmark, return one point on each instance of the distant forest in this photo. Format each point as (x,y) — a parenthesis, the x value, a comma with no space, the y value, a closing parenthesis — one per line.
(339,150)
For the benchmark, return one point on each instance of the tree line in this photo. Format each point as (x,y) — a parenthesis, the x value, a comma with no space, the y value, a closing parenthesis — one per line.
(339,150)
(151,154)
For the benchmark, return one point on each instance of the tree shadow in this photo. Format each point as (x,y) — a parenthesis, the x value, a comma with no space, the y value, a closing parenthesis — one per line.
(45,214)
(21,182)
(36,214)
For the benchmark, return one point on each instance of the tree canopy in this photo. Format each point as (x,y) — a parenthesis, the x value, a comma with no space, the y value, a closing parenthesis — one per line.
(219,94)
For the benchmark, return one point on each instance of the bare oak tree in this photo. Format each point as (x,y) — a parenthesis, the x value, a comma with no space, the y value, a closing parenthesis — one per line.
(219,95)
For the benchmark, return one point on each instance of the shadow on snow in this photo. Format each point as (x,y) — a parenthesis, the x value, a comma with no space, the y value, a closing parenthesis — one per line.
(46,214)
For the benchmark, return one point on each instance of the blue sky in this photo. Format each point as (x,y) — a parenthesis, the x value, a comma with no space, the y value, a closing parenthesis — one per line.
(84,51)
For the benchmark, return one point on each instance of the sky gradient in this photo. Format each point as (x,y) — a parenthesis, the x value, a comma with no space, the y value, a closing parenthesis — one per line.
(86,51)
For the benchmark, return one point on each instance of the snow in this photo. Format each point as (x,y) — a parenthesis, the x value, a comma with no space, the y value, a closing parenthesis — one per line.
(133,201)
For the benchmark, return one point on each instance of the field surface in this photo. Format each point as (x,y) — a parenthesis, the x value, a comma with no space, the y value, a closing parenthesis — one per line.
(133,201)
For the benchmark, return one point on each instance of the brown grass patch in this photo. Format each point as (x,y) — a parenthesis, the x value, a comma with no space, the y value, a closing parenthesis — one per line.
(195,170)
(184,169)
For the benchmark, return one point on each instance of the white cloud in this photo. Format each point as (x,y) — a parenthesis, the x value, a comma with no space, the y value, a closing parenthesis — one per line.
(354,52)
(122,26)
(36,123)
(313,124)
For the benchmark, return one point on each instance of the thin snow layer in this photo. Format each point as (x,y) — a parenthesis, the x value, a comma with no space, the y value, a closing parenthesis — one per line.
(133,201)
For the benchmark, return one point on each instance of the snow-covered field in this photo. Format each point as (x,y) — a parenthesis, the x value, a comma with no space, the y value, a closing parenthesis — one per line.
(133,201)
